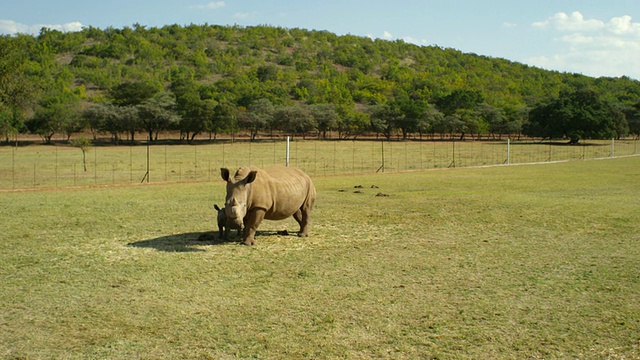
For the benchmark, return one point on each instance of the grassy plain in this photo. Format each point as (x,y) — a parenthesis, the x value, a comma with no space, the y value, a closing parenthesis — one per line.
(531,261)
(60,165)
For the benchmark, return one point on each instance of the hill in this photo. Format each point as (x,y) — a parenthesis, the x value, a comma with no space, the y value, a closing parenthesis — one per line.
(208,78)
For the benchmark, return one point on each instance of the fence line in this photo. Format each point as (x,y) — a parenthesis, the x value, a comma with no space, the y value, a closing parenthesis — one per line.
(38,166)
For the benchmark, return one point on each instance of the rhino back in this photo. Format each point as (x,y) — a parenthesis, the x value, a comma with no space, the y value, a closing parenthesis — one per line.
(281,191)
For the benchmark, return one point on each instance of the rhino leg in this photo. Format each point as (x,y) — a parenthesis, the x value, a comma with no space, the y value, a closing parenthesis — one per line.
(302,217)
(300,220)
(298,216)
(251,223)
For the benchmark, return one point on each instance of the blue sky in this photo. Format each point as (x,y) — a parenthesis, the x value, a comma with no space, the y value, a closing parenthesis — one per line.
(591,37)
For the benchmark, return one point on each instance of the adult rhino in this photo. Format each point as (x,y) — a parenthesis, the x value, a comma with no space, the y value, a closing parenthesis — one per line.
(274,193)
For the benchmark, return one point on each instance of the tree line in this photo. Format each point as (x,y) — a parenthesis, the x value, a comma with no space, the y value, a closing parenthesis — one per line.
(209,80)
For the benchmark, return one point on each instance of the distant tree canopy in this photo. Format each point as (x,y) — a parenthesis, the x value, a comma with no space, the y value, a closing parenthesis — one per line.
(575,115)
(213,79)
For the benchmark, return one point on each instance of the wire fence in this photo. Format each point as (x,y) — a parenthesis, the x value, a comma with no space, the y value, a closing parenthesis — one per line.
(40,166)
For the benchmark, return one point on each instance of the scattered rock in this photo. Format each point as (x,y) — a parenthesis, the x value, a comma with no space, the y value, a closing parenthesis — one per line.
(358,187)
(382,194)
(342,190)
(375,187)
(357,192)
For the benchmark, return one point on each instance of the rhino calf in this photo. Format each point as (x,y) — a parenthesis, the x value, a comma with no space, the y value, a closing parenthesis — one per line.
(224,226)
(274,193)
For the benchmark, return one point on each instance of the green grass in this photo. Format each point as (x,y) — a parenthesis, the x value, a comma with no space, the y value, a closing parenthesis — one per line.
(39,166)
(508,262)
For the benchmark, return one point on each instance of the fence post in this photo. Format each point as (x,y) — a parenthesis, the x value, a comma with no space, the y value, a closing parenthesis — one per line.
(381,168)
(508,151)
(56,166)
(95,165)
(453,161)
(288,151)
(613,148)
(146,175)
(13,167)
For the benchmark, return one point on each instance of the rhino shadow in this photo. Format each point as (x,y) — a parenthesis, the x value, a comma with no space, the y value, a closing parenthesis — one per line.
(185,242)
(191,242)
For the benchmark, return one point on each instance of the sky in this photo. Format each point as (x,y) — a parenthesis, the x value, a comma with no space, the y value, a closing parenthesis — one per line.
(591,37)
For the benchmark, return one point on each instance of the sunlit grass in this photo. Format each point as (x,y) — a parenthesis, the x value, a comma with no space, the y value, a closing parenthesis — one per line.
(504,262)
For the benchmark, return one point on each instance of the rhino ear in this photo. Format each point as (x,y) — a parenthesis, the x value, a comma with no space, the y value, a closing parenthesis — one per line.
(251,176)
(216,207)
(224,172)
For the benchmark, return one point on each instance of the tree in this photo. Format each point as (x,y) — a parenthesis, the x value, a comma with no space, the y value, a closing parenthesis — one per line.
(633,118)
(430,121)
(130,120)
(83,144)
(459,99)
(294,119)
(134,93)
(267,73)
(494,118)
(196,114)
(412,111)
(17,90)
(157,114)
(472,123)
(453,124)
(259,116)
(386,118)
(57,113)
(112,119)
(96,116)
(225,118)
(352,122)
(581,114)
(515,118)
(325,116)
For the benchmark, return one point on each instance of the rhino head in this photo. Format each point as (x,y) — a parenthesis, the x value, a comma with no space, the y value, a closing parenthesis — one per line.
(235,206)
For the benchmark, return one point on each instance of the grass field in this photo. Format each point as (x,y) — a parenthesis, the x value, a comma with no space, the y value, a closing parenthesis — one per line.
(531,261)
(39,166)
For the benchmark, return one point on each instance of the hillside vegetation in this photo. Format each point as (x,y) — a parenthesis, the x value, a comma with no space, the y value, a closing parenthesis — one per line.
(219,79)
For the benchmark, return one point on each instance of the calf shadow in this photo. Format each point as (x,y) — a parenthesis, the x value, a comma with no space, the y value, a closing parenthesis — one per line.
(193,241)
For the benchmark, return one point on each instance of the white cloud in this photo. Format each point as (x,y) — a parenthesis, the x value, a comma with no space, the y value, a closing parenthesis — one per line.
(241,15)
(623,26)
(591,46)
(574,22)
(509,25)
(11,27)
(415,41)
(210,6)
(408,39)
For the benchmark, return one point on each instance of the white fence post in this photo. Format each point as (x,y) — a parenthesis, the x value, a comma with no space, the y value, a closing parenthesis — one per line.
(613,148)
(287,151)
